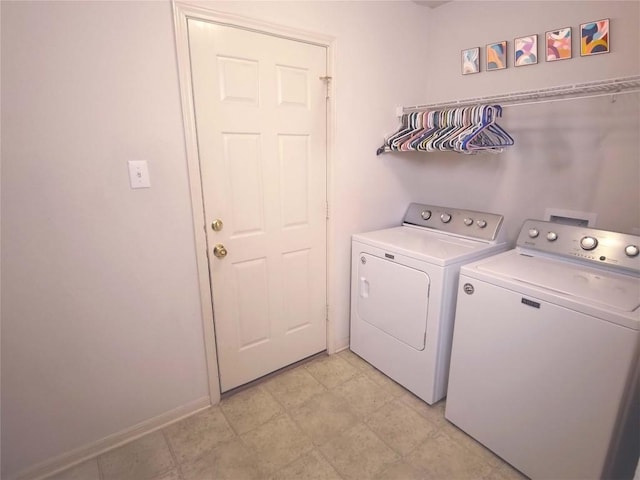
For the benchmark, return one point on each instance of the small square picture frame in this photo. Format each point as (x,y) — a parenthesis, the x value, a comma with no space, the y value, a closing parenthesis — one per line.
(557,44)
(470,60)
(594,38)
(525,50)
(496,56)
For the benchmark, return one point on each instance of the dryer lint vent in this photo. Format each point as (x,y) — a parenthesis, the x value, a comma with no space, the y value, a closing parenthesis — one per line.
(571,217)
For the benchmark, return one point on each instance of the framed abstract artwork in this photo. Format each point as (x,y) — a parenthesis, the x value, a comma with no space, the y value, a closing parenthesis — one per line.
(558,44)
(525,50)
(470,61)
(594,38)
(496,56)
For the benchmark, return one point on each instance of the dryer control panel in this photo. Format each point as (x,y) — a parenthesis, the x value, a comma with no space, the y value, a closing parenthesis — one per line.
(619,250)
(466,223)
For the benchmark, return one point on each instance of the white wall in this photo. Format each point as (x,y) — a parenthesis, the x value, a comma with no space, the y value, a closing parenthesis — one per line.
(579,155)
(101,323)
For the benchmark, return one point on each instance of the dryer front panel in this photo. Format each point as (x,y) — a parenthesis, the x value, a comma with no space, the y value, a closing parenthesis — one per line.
(393,298)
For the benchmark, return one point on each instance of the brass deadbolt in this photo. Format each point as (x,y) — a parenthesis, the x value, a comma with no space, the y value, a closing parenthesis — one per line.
(217,225)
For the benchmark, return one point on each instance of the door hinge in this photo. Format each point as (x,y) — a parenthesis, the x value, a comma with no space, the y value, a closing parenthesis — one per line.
(327,81)
(326,313)
(327,211)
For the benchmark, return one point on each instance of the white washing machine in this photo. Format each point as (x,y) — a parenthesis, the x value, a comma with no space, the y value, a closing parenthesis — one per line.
(403,290)
(544,366)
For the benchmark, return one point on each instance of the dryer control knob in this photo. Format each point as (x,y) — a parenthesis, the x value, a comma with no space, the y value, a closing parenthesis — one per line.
(632,250)
(445,217)
(426,214)
(533,232)
(552,236)
(588,243)
(482,223)
(468,221)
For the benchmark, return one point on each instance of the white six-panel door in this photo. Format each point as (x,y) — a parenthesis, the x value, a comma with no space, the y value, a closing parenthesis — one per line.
(261,126)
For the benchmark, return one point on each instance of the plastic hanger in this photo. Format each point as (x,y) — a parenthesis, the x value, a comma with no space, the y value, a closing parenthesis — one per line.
(489,136)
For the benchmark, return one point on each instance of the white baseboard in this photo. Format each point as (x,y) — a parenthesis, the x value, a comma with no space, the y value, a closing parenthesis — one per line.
(341,344)
(86,452)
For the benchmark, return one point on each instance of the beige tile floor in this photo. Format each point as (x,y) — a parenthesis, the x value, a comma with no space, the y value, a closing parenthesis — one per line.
(335,417)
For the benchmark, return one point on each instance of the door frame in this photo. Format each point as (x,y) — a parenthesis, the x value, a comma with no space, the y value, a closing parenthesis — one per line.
(182,12)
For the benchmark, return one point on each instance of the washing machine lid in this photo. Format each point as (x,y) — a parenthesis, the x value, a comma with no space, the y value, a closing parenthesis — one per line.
(584,284)
(426,245)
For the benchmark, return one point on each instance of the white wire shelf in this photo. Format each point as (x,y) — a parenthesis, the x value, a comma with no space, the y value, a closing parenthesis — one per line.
(600,88)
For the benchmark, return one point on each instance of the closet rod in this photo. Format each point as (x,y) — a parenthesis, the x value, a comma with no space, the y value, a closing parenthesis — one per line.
(566,92)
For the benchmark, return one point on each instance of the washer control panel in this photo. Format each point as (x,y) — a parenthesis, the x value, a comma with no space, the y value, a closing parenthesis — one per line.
(468,223)
(582,243)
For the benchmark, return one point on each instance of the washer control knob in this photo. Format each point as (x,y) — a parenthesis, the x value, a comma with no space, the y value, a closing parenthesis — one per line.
(588,243)
(426,214)
(468,221)
(552,236)
(632,250)
(481,223)
(533,232)
(445,217)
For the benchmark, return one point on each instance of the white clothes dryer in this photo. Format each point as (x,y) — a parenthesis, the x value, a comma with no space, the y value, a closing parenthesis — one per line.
(403,289)
(545,352)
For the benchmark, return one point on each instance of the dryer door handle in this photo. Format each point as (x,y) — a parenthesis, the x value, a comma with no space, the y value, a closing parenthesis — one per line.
(364,287)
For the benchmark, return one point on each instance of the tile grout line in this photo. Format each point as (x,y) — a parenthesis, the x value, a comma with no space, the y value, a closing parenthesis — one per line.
(238,436)
(174,457)
(493,471)
(403,457)
(318,447)
(224,415)
(335,469)
(360,420)
(333,438)
(283,411)
(286,412)
(313,447)
(332,358)
(100,472)
(228,422)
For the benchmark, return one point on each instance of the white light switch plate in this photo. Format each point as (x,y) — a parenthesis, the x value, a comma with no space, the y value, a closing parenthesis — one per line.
(139,174)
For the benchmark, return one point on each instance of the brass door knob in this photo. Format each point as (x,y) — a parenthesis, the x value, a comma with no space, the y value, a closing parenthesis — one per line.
(220,251)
